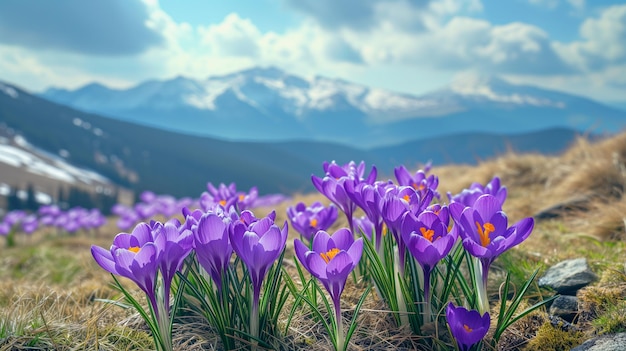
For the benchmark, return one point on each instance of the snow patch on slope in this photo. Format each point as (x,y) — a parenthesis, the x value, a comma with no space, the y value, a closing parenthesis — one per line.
(21,154)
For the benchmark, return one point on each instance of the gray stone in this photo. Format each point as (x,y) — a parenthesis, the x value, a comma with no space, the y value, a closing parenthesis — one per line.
(610,342)
(564,306)
(568,277)
(576,203)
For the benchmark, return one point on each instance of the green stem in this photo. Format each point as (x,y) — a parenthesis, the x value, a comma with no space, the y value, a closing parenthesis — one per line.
(427,307)
(404,317)
(163,320)
(339,324)
(480,282)
(254,317)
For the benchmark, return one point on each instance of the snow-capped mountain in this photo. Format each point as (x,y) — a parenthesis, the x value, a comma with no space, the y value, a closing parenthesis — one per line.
(270,104)
(48,140)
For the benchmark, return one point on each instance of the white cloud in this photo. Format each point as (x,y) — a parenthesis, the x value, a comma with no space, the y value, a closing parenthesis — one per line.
(603,41)
(234,36)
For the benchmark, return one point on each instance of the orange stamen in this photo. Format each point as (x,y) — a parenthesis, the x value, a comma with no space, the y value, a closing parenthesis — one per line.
(467,328)
(313,222)
(328,256)
(406,198)
(427,233)
(418,187)
(484,232)
(241,197)
(223,202)
(134,249)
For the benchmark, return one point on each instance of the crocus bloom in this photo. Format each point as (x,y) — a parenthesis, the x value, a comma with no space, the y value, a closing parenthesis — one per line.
(334,182)
(468,196)
(468,327)
(307,220)
(175,246)
(369,198)
(395,204)
(212,246)
(483,228)
(224,196)
(30,224)
(258,245)
(418,181)
(134,256)
(428,240)
(365,226)
(331,260)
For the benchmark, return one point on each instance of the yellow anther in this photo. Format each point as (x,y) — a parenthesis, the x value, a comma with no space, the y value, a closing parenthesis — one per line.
(313,222)
(134,249)
(484,232)
(467,328)
(223,203)
(427,233)
(418,187)
(329,255)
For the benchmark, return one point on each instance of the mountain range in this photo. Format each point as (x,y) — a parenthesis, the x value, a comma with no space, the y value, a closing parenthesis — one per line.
(140,157)
(268,104)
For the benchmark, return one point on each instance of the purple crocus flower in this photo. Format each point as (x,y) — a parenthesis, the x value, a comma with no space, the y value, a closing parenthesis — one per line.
(468,327)
(333,184)
(331,260)
(307,220)
(485,234)
(428,240)
(30,224)
(418,181)
(223,195)
(396,202)
(369,197)
(469,196)
(134,256)
(175,245)
(365,226)
(258,244)
(212,246)
(484,228)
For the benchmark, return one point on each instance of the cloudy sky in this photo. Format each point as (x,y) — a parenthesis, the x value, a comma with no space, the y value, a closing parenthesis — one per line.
(412,46)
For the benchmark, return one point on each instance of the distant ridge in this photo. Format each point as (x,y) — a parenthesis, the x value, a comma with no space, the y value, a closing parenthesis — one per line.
(268,104)
(146,158)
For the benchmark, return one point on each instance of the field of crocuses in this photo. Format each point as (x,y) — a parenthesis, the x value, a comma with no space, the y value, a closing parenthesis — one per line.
(367,263)
(427,260)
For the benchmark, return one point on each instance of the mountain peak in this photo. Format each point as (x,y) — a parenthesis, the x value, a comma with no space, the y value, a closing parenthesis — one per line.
(473,83)
(269,72)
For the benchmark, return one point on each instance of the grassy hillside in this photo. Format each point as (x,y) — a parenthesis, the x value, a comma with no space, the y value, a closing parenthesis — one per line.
(52,289)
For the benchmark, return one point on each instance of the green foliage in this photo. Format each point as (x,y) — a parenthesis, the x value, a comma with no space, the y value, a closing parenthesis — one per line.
(612,320)
(332,324)
(227,311)
(551,338)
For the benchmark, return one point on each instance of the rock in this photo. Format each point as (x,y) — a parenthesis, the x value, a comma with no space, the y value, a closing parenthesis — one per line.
(568,277)
(565,306)
(576,203)
(609,342)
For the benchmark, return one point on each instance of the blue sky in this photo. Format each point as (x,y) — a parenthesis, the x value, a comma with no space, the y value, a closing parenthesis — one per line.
(411,46)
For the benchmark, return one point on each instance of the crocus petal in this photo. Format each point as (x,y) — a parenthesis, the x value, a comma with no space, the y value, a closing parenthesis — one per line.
(320,241)
(301,252)
(104,259)
(342,239)
(317,265)
(487,205)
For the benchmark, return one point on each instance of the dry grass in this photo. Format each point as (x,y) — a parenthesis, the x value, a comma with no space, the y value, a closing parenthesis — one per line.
(50,287)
